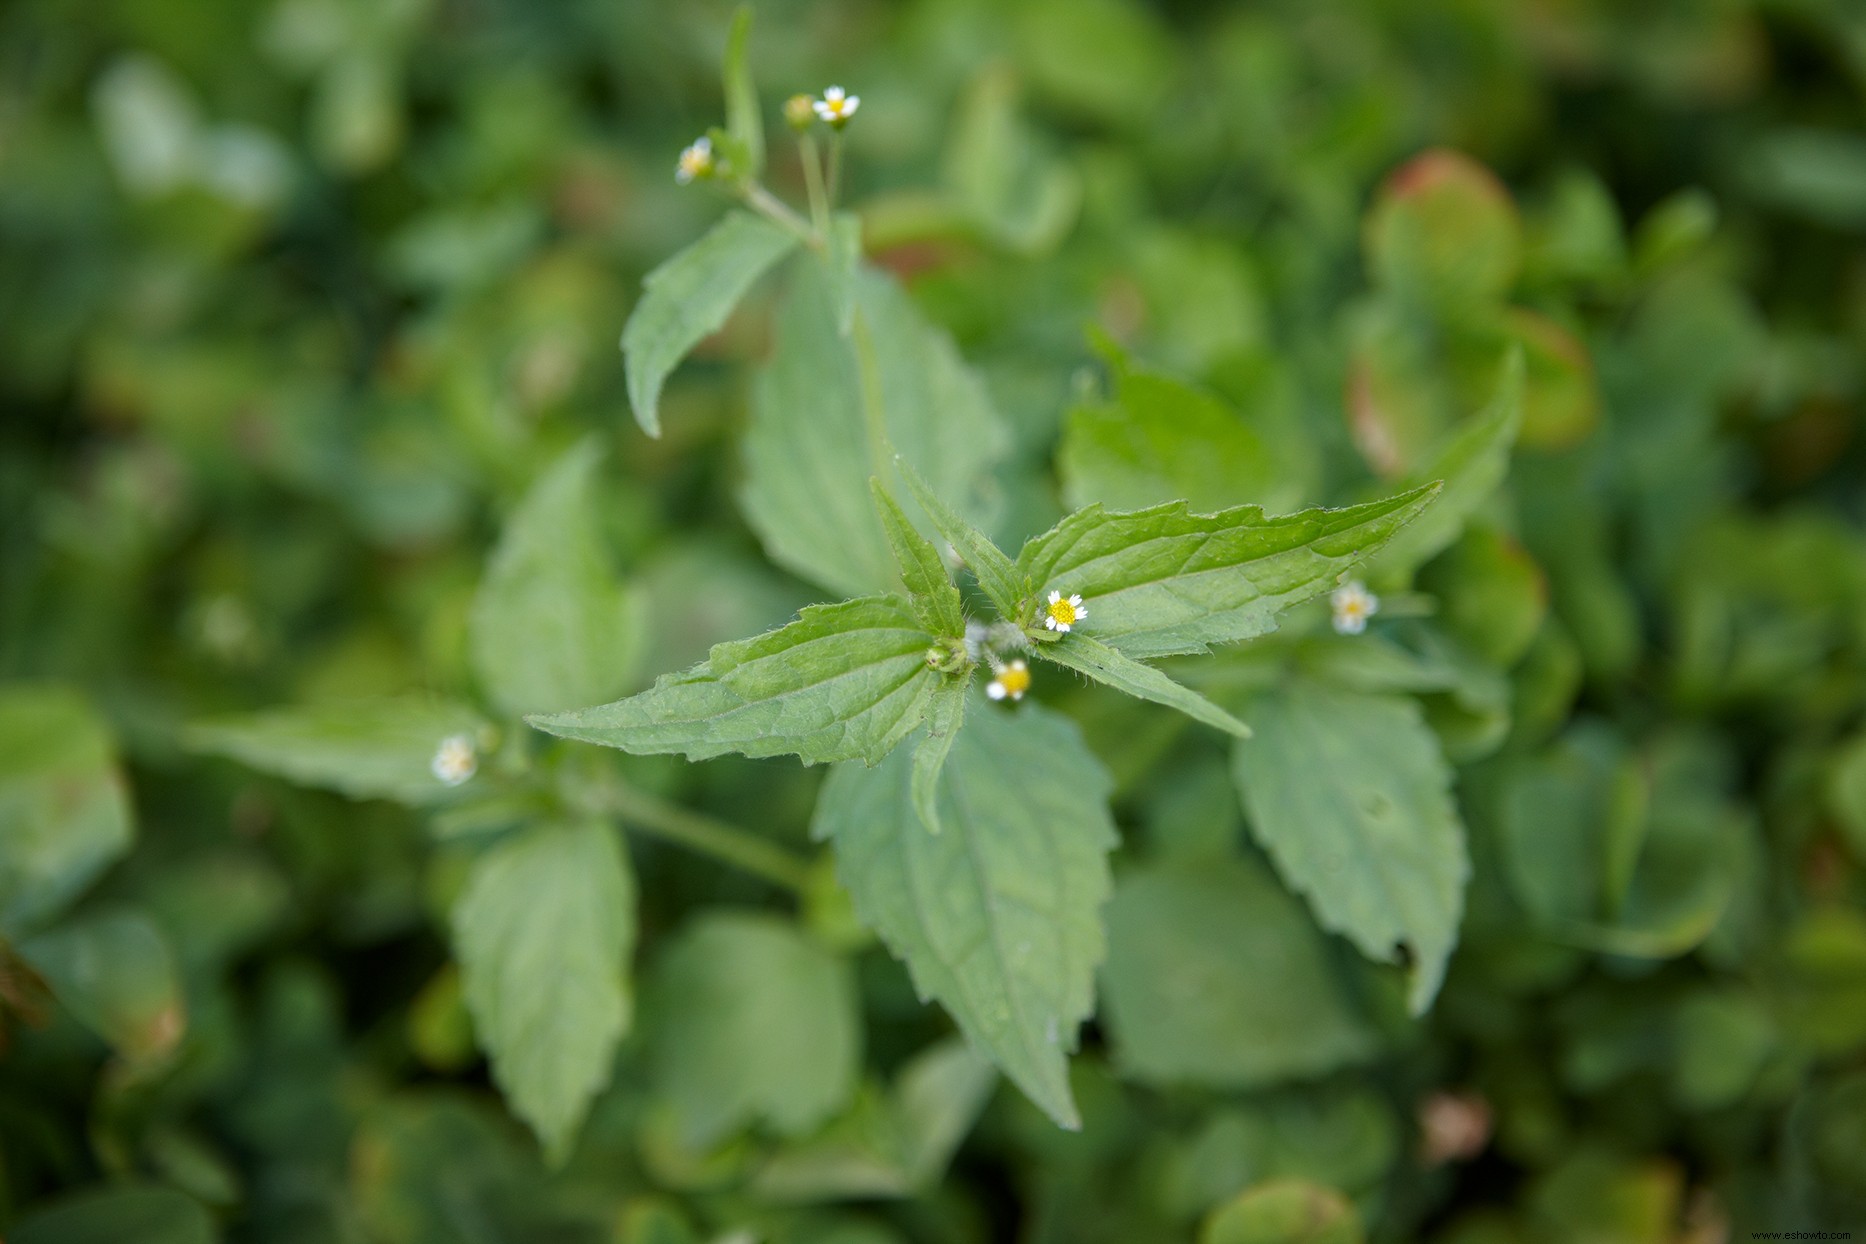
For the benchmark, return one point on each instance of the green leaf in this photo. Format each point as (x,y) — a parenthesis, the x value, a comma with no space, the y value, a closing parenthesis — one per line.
(439,1165)
(1164,580)
(544,931)
(936,601)
(1078,652)
(843,682)
(1217,977)
(1018,196)
(1846,792)
(998,917)
(1161,441)
(64,812)
(133,1213)
(1285,1211)
(370,749)
(742,118)
(895,1144)
(551,627)
(1443,230)
(690,296)
(753,1023)
(998,576)
(1349,794)
(811,445)
(945,712)
(115,972)
(1471,464)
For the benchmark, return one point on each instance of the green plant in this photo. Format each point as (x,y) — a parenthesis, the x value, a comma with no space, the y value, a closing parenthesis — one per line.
(1335,671)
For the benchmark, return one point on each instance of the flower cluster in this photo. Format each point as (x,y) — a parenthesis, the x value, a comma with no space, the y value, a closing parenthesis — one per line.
(699,162)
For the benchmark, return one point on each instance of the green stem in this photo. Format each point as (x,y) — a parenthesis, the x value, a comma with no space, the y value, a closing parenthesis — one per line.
(764,202)
(812,159)
(835,166)
(874,411)
(696,831)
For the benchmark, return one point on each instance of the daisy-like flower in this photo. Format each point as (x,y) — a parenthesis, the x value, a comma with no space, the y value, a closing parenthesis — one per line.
(697,161)
(1010,682)
(455,760)
(1353,605)
(1063,612)
(836,106)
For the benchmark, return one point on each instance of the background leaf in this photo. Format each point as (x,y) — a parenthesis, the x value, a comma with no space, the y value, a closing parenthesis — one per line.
(142,1212)
(551,626)
(544,931)
(689,296)
(373,749)
(998,917)
(1217,977)
(1159,440)
(64,813)
(1471,464)
(753,1023)
(1289,1211)
(743,119)
(116,973)
(1368,833)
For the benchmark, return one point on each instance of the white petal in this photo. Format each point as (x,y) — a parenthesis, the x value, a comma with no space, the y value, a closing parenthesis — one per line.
(995,690)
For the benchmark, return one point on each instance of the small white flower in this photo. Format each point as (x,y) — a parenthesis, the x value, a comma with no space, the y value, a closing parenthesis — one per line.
(1353,605)
(1062,613)
(696,161)
(836,107)
(455,760)
(1010,682)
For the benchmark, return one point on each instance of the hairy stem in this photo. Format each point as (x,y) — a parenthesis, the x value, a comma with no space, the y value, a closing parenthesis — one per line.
(772,208)
(835,166)
(874,411)
(811,157)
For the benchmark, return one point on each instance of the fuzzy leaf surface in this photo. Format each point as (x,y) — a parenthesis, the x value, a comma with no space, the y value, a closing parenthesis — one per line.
(998,917)
(1106,665)
(1351,796)
(843,682)
(923,573)
(1164,581)
(811,445)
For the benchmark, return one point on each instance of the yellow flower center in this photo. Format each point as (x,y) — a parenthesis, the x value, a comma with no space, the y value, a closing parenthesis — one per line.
(1063,611)
(1015,679)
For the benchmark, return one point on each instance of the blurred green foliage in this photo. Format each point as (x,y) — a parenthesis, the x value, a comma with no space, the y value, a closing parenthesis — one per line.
(310,408)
